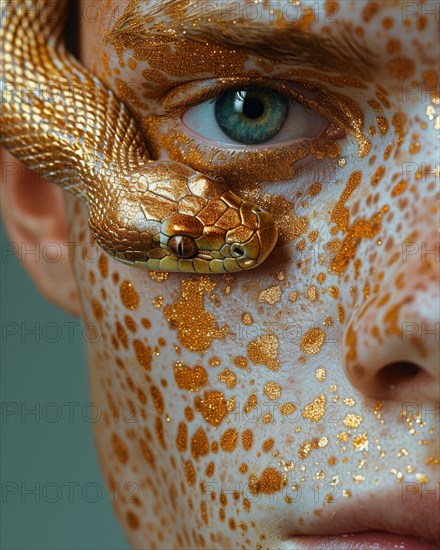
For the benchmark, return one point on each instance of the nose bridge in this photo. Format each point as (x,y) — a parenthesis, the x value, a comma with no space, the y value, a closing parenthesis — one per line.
(391,345)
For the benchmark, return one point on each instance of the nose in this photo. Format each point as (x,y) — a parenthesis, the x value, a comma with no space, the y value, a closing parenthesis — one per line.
(391,345)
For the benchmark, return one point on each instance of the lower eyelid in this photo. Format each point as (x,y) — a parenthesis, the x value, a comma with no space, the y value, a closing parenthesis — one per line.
(244,165)
(232,147)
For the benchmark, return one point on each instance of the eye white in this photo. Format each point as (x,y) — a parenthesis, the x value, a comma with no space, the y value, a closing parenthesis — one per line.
(300,123)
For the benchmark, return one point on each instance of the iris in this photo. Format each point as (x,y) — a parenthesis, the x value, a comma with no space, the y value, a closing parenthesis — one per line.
(251,116)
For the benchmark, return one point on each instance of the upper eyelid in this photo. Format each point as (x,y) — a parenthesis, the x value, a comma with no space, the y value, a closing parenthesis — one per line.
(204,90)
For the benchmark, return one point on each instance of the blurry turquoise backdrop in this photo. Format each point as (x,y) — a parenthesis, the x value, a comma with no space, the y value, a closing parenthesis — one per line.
(53,495)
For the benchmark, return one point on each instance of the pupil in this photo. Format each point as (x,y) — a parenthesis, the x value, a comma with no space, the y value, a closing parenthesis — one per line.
(253,107)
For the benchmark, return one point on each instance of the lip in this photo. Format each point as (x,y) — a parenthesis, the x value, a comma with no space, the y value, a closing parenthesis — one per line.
(369,540)
(387,517)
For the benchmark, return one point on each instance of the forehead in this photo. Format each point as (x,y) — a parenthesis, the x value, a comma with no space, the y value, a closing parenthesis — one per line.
(304,14)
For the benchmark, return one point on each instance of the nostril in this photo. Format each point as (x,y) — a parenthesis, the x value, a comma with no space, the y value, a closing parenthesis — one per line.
(237,250)
(398,373)
(257,210)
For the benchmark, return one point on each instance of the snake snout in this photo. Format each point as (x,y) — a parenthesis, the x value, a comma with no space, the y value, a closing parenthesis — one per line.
(237,250)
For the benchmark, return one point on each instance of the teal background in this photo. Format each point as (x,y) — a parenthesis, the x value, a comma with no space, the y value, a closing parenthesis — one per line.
(50,448)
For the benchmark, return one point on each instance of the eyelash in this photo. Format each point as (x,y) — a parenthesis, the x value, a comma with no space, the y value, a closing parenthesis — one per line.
(214,92)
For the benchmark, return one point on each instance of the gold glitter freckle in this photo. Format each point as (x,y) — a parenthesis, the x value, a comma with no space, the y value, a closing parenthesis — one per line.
(97,310)
(199,444)
(346,493)
(271,481)
(133,520)
(281,276)
(382,124)
(401,68)
(158,276)
(271,295)
(190,472)
(196,327)
(266,418)
(247,319)
(214,362)
(228,440)
(360,442)
(182,437)
(352,420)
(422,478)
(311,343)
(143,354)
(333,291)
(293,296)
(341,313)
(358,479)
(287,408)
(320,374)
(315,410)
(312,293)
(228,377)
(349,401)
(264,351)
(328,322)
(272,390)
(129,296)
(214,407)
(190,379)
(250,404)
(315,189)
(157,302)
(243,468)
(103,265)
(321,278)
(120,449)
(247,438)
(189,414)
(241,362)
(268,445)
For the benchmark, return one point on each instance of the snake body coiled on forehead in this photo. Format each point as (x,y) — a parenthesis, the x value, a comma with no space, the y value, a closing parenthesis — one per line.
(64,123)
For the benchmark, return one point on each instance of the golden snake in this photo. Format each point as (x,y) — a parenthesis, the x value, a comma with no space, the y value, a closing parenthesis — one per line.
(63,122)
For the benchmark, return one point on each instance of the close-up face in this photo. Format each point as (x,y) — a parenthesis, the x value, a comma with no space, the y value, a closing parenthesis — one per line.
(291,391)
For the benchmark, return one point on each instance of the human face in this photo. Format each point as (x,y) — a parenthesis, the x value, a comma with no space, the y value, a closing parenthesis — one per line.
(299,398)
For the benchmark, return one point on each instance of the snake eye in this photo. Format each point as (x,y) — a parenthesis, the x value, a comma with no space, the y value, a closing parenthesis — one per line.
(182,246)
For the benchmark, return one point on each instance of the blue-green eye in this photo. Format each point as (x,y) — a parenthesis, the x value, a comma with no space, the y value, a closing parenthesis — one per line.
(251,116)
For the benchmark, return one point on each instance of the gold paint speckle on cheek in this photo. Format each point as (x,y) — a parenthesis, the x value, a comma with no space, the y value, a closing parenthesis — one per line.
(311,343)
(129,296)
(195,325)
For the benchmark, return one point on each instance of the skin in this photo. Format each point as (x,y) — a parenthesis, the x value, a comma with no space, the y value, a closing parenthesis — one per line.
(197,375)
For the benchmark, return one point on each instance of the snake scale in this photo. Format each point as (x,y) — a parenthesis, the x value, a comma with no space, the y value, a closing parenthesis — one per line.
(63,122)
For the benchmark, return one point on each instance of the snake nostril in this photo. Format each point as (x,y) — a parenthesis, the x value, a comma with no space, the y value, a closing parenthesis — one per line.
(257,210)
(182,246)
(237,250)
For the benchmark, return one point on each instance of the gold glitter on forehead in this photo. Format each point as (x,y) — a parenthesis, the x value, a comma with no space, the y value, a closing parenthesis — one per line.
(285,41)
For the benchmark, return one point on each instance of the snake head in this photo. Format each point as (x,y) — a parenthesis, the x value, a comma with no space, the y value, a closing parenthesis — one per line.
(215,231)
(175,219)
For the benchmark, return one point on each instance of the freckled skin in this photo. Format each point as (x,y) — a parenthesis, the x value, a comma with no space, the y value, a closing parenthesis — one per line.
(230,434)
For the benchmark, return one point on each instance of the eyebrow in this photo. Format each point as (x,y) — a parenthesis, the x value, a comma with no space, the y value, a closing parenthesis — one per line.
(156,23)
